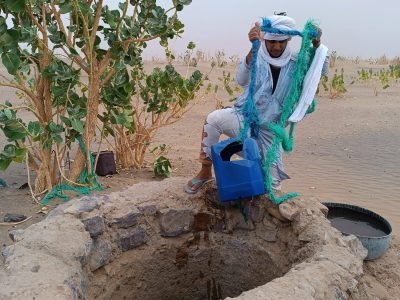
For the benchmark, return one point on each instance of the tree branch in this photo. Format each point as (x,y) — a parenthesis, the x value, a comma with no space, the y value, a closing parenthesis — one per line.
(96,23)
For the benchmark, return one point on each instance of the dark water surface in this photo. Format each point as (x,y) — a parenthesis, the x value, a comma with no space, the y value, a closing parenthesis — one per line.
(357,223)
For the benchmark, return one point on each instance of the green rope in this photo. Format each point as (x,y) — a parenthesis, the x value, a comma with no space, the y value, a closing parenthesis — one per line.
(91,180)
(3,183)
(312,107)
(240,206)
(304,59)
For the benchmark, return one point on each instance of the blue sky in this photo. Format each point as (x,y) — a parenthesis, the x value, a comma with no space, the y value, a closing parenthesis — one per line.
(352,28)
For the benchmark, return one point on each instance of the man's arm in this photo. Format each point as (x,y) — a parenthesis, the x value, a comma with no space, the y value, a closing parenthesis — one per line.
(325,67)
(243,72)
(316,42)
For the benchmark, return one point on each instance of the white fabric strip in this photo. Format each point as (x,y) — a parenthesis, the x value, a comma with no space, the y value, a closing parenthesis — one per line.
(279,61)
(310,84)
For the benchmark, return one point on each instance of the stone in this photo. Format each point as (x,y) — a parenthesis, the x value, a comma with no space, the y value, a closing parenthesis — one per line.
(95,226)
(323,208)
(235,220)
(355,245)
(352,285)
(6,252)
(85,204)
(100,254)
(59,210)
(273,210)
(131,238)
(339,295)
(127,220)
(12,218)
(288,210)
(35,268)
(268,234)
(16,235)
(148,210)
(256,212)
(176,222)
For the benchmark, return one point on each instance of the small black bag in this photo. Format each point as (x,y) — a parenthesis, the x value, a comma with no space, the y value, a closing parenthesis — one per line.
(106,163)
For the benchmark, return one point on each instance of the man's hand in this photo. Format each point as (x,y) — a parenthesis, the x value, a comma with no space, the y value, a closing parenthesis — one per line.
(255,33)
(317,41)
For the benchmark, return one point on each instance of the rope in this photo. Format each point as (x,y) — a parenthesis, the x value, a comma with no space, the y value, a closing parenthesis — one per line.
(3,183)
(91,180)
(250,113)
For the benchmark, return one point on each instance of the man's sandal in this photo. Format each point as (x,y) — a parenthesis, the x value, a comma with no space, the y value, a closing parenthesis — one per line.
(197,184)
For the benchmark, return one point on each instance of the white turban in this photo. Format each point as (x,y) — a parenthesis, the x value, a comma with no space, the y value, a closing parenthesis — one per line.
(282,23)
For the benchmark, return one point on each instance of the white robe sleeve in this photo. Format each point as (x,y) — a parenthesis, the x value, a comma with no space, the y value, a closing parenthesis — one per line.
(243,73)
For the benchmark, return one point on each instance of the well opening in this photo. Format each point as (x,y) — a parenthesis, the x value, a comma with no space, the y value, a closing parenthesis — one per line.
(228,250)
(214,271)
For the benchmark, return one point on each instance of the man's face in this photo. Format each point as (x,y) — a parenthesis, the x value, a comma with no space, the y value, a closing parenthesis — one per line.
(276,48)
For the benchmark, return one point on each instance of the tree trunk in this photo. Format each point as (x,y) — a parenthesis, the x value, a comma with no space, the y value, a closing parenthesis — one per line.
(43,177)
(90,126)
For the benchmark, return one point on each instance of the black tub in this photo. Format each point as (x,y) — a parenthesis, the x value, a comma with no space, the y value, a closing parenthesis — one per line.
(373,230)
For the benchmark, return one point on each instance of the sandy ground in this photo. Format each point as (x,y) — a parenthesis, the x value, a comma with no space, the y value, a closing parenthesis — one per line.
(347,151)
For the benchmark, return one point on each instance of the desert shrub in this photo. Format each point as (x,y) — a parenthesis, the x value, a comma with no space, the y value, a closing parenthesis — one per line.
(71,60)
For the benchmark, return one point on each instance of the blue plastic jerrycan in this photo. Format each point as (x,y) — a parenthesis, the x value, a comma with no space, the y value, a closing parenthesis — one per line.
(237,179)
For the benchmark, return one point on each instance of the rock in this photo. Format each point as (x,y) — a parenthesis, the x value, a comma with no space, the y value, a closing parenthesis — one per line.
(95,226)
(273,210)
(148,210)
(323,208)
(256,211)
(11,218)
(176,222)
(355,245)
(288,210)
(35,268)
(6,252)
(16,235)
(339,295)
(268,234)
(100,255)
(85,204)
(131,238)
(59,210)
(127,220)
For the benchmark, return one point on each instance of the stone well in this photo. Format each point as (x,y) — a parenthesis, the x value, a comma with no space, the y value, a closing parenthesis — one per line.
(153,241)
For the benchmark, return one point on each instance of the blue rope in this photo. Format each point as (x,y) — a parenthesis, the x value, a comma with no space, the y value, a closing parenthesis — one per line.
(251,120)
(3,183)
(266,26)
(249,110)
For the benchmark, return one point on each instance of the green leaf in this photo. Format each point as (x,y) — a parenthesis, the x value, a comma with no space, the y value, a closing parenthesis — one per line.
(66,121)
(4,162)
(15,5)
(8,113)
(184,2)
(77,125)
(65,7)
(34,128)
(20,154)
(9,151)
(73,52)
(11,61)
(14,130)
